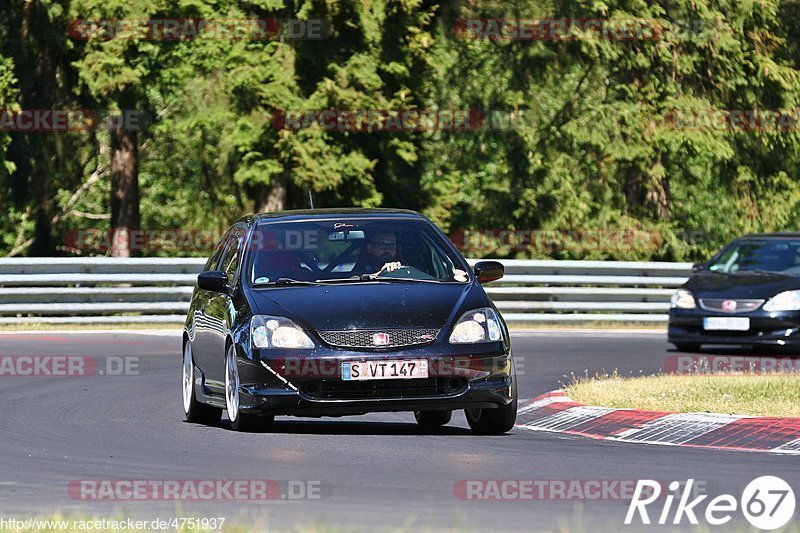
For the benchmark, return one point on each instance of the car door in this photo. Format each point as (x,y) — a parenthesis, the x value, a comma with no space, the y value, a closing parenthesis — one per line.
(219,311)
(203,338)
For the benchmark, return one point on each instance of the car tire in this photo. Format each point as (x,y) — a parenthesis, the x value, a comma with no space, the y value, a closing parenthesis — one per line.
(687,346)
(497,420)
(433,419)
(239,421)
(193,410)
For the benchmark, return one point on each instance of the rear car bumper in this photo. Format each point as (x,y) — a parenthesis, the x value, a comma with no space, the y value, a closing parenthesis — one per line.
(766,329)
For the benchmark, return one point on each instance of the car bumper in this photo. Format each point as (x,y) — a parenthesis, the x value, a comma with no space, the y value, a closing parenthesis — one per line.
(275,402)
(311,385)
(766,329)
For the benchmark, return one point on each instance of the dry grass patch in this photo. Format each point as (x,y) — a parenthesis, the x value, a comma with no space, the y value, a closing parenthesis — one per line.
(743,394)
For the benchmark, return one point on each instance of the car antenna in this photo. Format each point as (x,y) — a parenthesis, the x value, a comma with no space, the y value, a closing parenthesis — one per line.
(310,199)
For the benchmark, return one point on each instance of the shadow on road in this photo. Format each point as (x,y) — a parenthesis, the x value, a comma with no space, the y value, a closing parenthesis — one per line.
(333,427)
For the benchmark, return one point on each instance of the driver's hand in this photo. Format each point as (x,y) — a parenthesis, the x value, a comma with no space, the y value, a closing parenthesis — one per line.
(389,267)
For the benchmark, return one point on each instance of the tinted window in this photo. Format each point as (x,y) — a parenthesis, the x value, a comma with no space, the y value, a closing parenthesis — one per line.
(772,255)
(230,258)
(212,262)
(327,250)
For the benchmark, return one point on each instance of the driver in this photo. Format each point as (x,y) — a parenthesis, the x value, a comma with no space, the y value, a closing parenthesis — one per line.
(382,253)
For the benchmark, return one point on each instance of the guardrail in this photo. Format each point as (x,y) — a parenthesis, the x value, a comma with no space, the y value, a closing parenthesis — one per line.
(112,290)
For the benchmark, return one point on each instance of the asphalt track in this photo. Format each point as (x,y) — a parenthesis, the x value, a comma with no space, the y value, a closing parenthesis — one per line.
(375,472)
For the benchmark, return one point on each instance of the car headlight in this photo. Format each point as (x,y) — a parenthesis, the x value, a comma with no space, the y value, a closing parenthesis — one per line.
(784,301)
(682,299)
(277,332)
(479,325)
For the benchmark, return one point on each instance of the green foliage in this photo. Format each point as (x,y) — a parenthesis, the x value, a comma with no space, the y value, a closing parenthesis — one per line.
(578,135)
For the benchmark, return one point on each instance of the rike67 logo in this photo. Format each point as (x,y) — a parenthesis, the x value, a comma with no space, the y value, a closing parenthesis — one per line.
(767,502)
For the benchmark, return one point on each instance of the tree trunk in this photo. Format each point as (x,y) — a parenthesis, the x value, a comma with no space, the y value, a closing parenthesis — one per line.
(124,192)
(272,198)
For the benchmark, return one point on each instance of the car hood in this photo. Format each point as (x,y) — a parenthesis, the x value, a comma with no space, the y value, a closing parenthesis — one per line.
(741,285)
(370,305)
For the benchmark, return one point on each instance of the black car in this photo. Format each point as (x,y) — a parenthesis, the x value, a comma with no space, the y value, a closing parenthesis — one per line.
(343,312)
(748,293)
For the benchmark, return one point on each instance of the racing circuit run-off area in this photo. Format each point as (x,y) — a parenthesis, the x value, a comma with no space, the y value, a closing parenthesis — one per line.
(395,265)
(100,450)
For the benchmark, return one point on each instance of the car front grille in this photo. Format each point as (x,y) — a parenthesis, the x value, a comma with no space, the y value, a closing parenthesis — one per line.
(383,389)
(367,338)
(729,305)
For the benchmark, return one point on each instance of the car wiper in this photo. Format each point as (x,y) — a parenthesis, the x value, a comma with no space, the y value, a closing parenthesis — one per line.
(396,280)
(286,281)
(341,280)
(369,277)
(290,281)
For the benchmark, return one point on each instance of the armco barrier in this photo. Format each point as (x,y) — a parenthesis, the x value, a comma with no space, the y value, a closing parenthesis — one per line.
(112,290)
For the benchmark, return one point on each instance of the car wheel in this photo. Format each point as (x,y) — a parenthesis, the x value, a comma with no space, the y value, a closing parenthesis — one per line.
(432,419)
(687,346)
(239,421)
(498,420)
(194,410)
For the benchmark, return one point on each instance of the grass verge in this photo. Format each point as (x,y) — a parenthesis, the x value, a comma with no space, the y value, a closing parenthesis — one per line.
(743,394)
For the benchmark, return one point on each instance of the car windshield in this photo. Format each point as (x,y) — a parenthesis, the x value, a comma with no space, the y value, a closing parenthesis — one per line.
(349,251)
(769,255)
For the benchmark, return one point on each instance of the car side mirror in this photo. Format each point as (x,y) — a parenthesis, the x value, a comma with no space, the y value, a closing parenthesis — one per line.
(487,271)
(213,280)
(697,267)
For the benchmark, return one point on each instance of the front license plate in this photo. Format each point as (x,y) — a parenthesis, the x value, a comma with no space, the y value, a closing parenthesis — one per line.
(729,323)
(361,370)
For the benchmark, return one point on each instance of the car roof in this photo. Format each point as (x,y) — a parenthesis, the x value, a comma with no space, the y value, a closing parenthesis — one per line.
(337,213)
(773,235)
